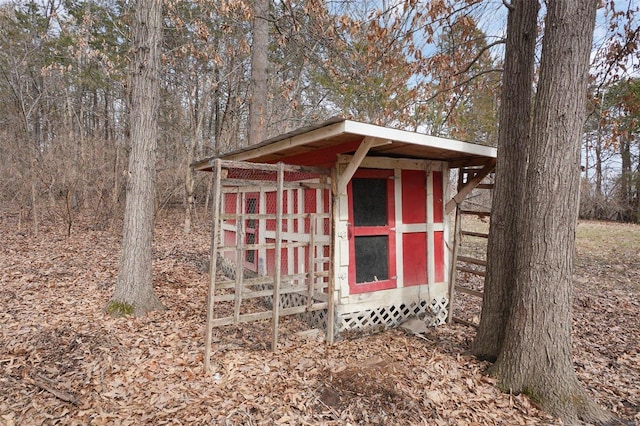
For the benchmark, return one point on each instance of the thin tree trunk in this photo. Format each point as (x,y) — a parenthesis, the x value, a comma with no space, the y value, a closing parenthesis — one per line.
(625,176)
(196,145)
(34,198)
(636,191)
(599,158)
(259,63)
(599,167)
(189,185)
(134,288)
(189,181)
(536,355)
(513,138)
(599,207)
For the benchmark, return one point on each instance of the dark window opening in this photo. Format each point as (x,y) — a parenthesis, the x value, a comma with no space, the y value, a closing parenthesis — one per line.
(372,263)
(369,202)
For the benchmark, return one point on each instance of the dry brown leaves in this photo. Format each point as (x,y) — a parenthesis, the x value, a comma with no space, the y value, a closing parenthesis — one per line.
(64,361)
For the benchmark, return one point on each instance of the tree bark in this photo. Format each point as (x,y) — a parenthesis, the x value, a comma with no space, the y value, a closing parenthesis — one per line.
(625,176)
(134,288)
(34,196)
(513,136)
(189,180)
(259,64)
(536,354)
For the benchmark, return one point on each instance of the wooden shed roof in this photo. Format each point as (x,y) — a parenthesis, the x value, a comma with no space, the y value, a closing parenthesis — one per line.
(316,144)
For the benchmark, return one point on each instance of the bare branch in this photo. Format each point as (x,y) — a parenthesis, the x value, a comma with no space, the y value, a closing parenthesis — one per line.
(507,5)
(460,84)
(477,57)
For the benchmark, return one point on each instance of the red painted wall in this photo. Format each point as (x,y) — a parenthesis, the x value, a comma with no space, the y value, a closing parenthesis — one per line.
(414,249)
(437,197)
(414,210)
(414,196)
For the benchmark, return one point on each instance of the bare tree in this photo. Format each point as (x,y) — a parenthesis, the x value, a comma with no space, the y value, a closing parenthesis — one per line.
(513,136)
(259,64)
(535,357)
(134,288)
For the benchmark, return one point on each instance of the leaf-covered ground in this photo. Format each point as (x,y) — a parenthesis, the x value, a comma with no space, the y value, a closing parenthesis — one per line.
(64,361)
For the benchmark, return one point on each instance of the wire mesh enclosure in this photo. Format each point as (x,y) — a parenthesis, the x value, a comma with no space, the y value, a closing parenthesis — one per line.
(271,244)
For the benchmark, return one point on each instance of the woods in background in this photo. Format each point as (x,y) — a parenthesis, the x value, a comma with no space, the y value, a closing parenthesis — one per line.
(427,66)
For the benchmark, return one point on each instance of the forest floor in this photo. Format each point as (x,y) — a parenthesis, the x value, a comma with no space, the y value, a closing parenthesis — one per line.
(63,360)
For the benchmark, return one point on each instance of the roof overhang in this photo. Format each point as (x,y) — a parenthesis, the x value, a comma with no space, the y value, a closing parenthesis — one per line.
(341,136)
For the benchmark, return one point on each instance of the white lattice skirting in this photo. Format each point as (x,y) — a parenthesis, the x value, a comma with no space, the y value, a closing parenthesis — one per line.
(351,324)
(379,319)
(384,317)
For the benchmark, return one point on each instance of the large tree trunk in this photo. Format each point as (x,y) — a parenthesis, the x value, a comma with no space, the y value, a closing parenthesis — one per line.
(536,354)
(134,288)
(259,63)
(513,136)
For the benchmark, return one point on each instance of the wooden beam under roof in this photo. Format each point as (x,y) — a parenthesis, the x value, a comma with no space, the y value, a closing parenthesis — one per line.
(334,132)
(356,160)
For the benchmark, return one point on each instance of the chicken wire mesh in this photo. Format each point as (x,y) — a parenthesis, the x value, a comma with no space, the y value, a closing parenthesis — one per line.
(271,240)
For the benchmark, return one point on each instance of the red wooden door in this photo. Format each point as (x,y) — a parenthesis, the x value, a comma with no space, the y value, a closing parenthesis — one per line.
(372,242)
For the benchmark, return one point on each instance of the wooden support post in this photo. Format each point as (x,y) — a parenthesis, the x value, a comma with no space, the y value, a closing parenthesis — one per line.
(366,144)
(278,256)
(215,237)
(453,274)
(431,259)
(239,264)
(311,268)
(463,191)
(457,235)
(333,208)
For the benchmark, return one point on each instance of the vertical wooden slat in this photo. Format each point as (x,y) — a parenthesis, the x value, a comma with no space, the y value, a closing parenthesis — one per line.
(333,208)
(262,228)
(469,185)
(431,258)
(290,221)
(311,268)
(447,235)
(300,227)
(278,256)
(215,237)
(239,266)
(457,234)
(398,254)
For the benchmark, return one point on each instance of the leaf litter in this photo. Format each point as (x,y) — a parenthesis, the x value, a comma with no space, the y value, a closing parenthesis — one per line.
(63,360)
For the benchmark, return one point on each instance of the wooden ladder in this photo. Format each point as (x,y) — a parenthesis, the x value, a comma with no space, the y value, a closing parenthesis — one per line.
(463,263)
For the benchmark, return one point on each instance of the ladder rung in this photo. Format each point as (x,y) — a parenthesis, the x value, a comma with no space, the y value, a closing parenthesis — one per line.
(472,260)
(470,270)
(469,291)
(475,234)
(474,212)
(485,186)
(473,170)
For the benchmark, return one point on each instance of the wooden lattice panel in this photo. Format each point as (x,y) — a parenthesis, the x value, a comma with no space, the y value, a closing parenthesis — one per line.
(382,318)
